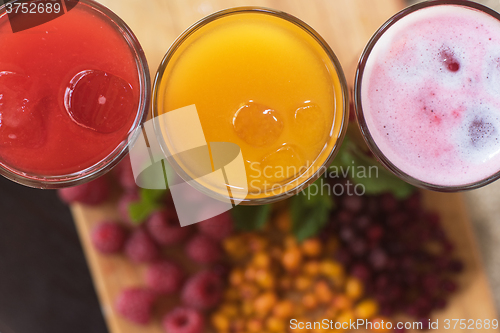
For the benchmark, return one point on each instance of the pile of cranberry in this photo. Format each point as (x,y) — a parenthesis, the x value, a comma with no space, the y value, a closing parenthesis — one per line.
(398,249)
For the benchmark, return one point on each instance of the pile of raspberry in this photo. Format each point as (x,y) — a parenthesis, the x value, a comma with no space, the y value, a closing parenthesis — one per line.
(183,262)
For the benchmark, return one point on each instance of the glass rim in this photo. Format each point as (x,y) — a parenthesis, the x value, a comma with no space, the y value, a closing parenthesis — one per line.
(370,142)
(334,62)
(120,151)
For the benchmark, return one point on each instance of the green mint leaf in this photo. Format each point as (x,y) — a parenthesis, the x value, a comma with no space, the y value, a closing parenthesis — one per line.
(310,210)
(152,195)
(149,201)
(248,218)
(140,211)
(364,170)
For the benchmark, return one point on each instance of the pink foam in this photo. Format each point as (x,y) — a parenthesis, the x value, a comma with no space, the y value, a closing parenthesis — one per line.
(431,95)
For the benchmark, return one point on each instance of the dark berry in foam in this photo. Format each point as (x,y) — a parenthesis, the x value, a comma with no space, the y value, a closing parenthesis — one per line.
(431,95)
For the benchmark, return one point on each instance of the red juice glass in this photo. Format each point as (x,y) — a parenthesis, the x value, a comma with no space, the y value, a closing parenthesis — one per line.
(427,95)
(72,90)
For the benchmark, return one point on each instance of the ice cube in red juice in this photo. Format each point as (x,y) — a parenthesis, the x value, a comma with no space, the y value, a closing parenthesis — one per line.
(99,101)
(21,121)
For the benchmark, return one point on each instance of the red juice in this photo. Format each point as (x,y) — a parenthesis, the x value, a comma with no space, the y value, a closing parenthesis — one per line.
(70,93)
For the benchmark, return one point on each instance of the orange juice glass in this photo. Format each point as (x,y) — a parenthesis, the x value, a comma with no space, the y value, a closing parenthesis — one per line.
(266,81)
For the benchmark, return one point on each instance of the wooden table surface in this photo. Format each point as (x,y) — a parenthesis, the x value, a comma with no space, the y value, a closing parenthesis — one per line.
(346,25)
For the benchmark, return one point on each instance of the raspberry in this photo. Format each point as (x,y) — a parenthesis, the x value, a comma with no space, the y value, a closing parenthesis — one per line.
(218,227)
(108,237)
(183,320)
(203,291)
(92,193)
(164,227)
(136,305)
(140,247)
(123,205)
(125,175)
(203,250)
(164,277)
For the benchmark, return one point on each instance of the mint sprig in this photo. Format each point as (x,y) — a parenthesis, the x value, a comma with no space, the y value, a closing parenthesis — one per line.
(350,158)
(150,201)
(248,218)
(310,212)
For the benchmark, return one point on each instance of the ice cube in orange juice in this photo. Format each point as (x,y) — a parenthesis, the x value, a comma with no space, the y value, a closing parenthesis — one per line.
(267,82)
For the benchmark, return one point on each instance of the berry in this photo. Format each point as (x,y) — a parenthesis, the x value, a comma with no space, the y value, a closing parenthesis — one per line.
(312,247)
(136,304)
(123,205)
(449,60)
(164,277)
(388,202)
(217,227)
(108,237)
(184,320)
(164,227)
(292,259)
(92,193)
(353,203)
(203,250)
(203,291)
(140,247)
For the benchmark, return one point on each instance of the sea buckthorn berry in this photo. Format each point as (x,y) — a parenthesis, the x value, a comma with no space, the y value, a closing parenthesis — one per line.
(312,268)
(310,301)
(265,279)
(346,317)
(323,292)
(265,303)
(261,260)
(354,288)
(220,322)
(274,324)
(342,302)
(255,326)
(249,291)
(366,309)
(312,247)
(250,273)
(238,325)
(292,259)
(332,269)
(257,243)
(302,283)
(283,309)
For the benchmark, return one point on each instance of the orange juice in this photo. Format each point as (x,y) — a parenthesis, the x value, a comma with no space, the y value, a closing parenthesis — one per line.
(266,82)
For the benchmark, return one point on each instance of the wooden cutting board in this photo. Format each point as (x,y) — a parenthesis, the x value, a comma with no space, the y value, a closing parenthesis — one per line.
(346,25)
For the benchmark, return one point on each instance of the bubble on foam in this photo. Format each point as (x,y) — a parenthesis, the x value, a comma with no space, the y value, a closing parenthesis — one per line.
(491,70)
(478,136)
